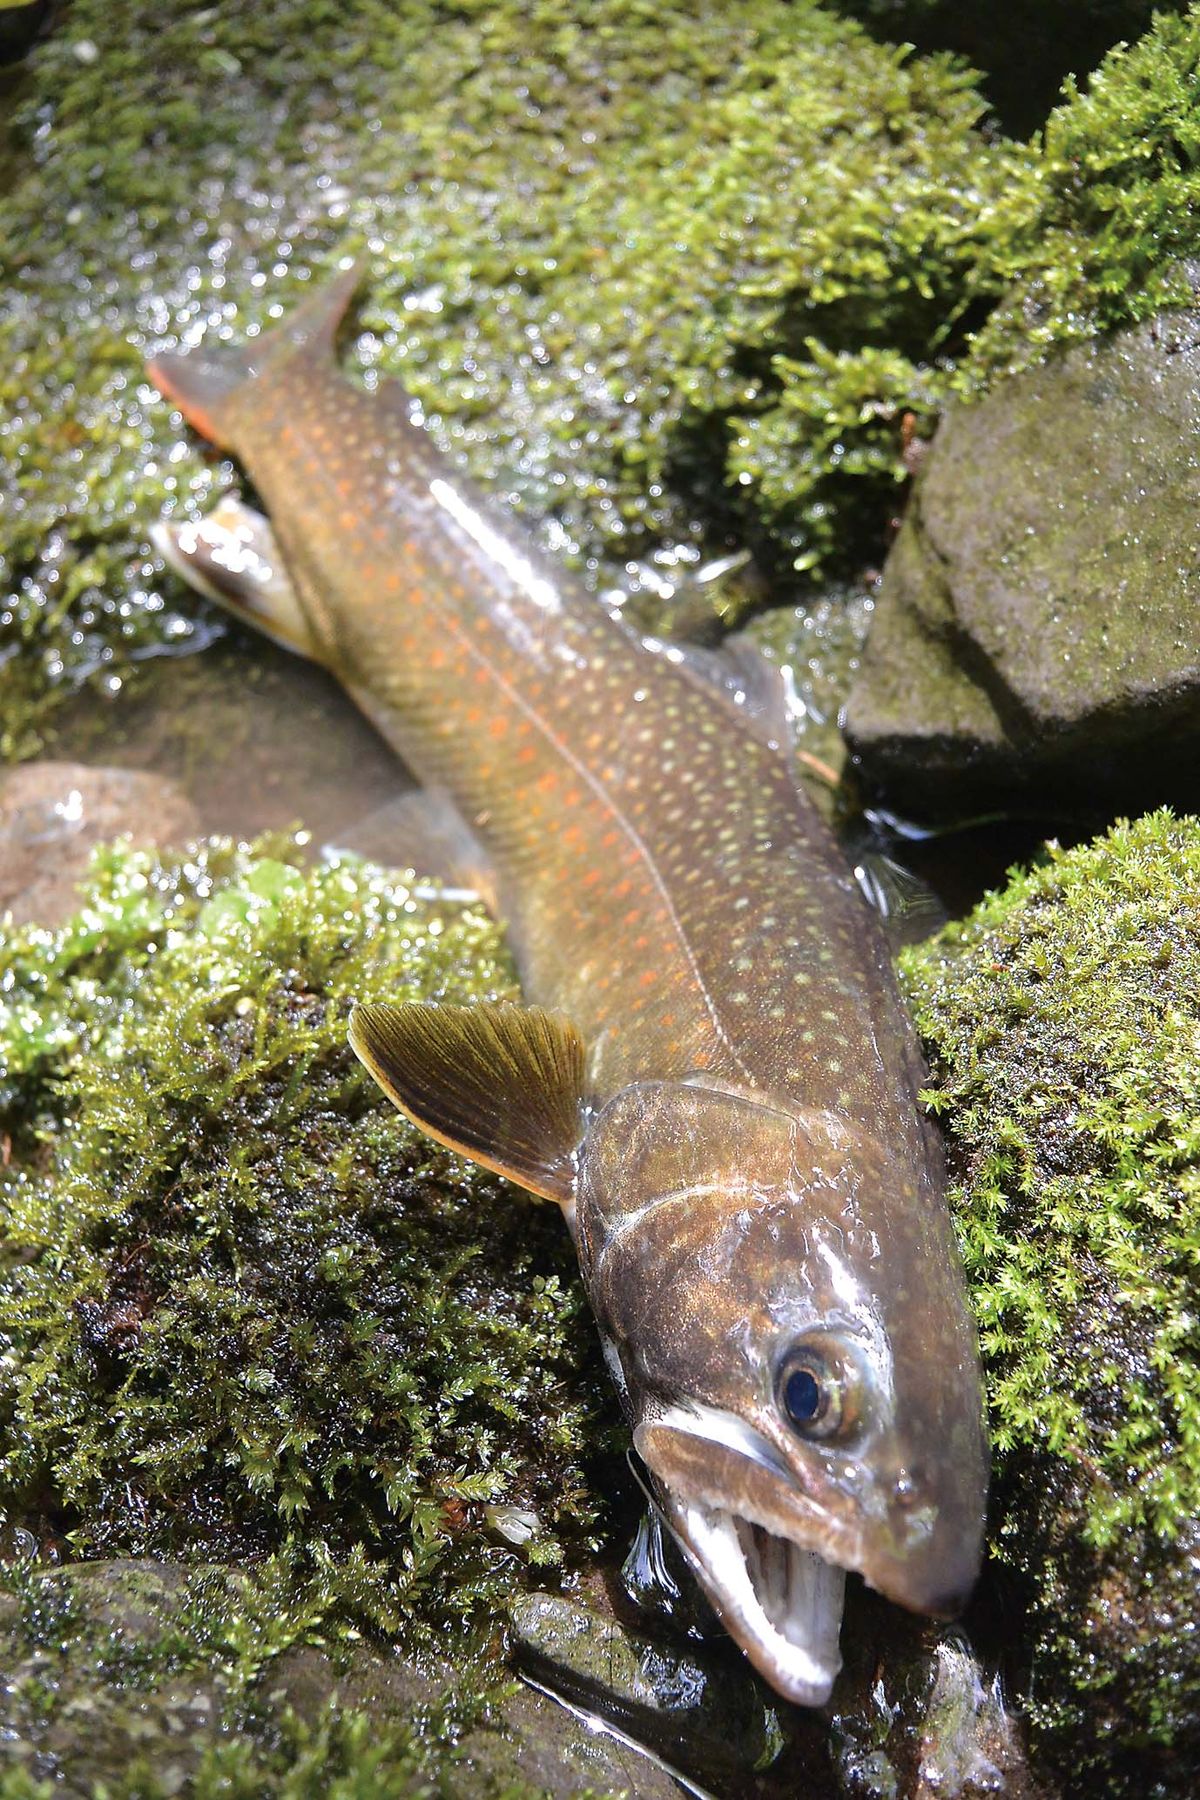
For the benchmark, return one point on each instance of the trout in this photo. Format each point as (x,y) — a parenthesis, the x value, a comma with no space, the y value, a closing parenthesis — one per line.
(714,1077)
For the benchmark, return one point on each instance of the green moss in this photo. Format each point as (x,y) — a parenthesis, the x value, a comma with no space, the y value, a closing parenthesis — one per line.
(1096,233)
(1062,1021)
(342,1754)
(668,274)
(246,1312)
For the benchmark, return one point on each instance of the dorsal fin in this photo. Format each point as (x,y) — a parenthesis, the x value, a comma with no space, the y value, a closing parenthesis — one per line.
(502,1084)
(202,381)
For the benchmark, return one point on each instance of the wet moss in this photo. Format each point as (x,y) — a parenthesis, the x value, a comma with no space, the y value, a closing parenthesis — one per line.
(1062,1022)
(667,277)
(247,1313)
(1098,232)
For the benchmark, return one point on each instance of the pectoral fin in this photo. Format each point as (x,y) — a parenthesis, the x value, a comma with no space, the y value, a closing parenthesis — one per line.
(502,1085)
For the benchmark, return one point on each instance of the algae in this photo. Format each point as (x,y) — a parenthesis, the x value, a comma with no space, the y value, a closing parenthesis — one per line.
(1062,1022)
(246,1313)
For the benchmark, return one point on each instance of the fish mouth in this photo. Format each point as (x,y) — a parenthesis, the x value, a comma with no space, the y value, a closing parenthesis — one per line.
(781,1603)
(778,1598)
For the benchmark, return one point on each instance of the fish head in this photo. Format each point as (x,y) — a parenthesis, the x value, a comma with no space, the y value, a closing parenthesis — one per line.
(782,1303)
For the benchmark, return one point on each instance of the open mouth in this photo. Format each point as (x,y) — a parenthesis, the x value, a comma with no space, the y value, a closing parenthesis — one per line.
(780,1602)
(778,1599)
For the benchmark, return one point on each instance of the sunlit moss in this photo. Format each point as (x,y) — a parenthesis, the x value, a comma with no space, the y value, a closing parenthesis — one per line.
(245,1310)
(1063,1022)
(1098,231)
(659,275)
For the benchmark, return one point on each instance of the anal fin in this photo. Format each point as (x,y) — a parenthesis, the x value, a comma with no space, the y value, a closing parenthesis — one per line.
(501,1084)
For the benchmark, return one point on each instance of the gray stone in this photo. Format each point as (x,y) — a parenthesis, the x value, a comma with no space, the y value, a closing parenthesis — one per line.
(100,1671)
(918,1715)
(1037,634)
(700,1710)
(53,814)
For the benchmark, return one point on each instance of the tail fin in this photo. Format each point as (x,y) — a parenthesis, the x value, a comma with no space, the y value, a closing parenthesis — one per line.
(202,382)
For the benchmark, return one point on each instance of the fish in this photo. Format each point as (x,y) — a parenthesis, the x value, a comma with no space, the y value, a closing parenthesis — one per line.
(711,1071)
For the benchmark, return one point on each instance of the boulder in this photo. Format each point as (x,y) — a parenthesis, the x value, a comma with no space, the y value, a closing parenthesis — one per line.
(1037,636)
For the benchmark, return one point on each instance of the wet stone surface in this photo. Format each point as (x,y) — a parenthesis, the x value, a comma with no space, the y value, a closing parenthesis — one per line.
(1035,638)
(52,814)
(79,1721)
(697,1708)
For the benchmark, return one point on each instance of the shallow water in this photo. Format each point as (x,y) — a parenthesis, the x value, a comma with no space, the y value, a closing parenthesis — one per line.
(259,740)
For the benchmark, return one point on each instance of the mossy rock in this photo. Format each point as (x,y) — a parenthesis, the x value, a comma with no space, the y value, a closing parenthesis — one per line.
(248,1312)
(1034,639)
(1062,1023)
(147,1681)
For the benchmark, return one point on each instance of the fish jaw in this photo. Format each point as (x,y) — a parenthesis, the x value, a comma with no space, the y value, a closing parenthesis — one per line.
(777,1596)
(780,1603)
(771,1552)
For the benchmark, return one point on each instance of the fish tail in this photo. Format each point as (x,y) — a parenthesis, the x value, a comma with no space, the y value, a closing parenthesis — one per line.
(202,383)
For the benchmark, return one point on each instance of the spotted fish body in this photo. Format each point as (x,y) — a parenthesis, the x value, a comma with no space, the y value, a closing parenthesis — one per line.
(716,1079)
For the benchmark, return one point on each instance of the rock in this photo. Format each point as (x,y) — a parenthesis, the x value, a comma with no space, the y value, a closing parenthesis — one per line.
(105,1669)
(1037,634)
(1061,1021)
(918,1715)
(701,1710)
(53,814)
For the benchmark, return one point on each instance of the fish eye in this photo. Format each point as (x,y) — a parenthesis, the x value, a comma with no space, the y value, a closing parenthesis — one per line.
(816,1391)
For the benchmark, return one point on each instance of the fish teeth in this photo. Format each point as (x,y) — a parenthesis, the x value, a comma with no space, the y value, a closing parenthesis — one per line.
(781,1602)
